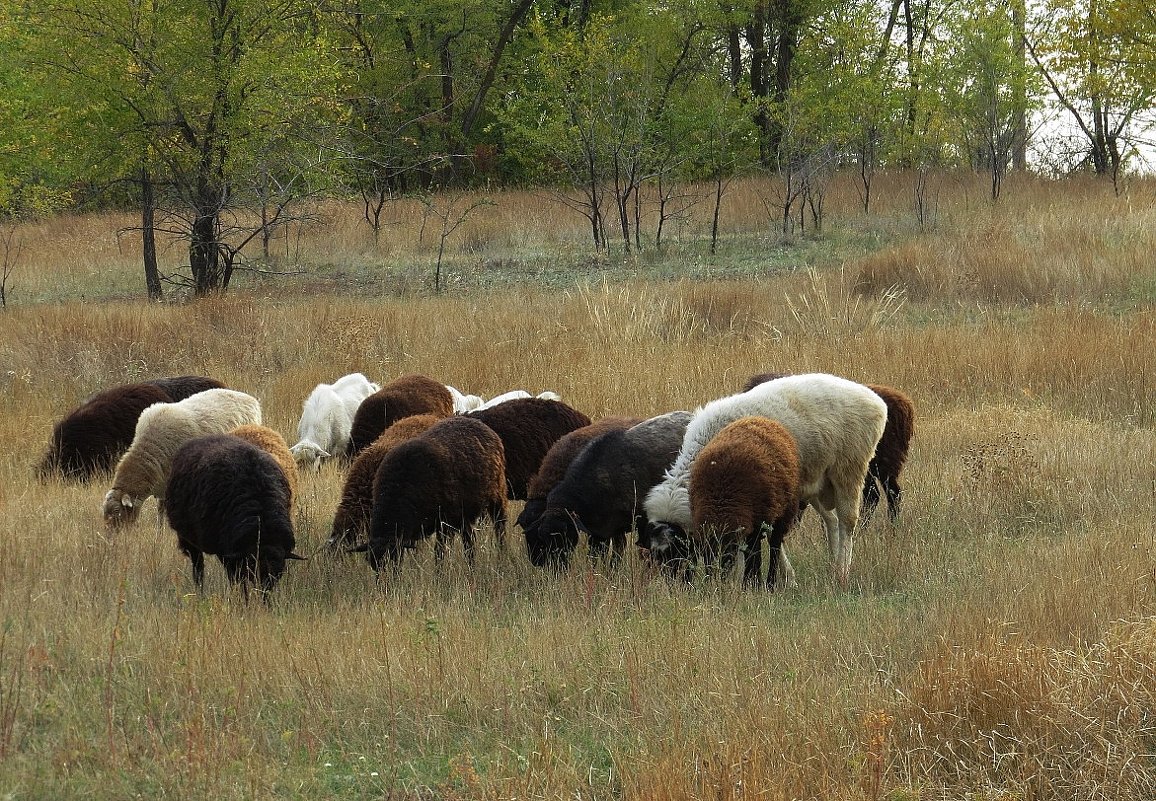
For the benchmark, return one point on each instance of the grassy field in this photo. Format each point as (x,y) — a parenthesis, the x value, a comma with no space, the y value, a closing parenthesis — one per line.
(998,643)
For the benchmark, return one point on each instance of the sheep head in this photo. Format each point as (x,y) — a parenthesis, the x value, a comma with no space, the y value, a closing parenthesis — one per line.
(665,543)
(552,538)
(120,508)
(309,454)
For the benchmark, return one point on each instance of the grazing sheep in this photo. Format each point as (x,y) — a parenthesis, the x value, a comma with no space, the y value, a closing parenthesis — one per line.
(90,438)
(603,489)
(273,444)
(548,395)
(351,522)
(327,418)
(182,386)
(890,453)
(440,481)
(229,498)
(404,396)
(836,424)
(557,460)
(528,428)
(745,480)
(464,403)
(160,432)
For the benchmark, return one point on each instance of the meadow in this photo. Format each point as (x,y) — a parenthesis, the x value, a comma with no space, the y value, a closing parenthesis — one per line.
(997,643)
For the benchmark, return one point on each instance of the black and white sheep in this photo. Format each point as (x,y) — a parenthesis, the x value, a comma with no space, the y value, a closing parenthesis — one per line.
(557,461)
(161,430)
(229,498)
(441,481)
(891,452)
(836,424)
(402,397)
(744,481)
(602,491)
(528,427)
(327,418)
(351,521)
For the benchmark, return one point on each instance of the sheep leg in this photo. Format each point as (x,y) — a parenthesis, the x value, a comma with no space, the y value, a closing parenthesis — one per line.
(848,517)
(779,570)
(469,543)
(617,548)
(198,560)
(870,498)
(441,543)
(498,515)
(833,526)
(753,558)
(894,498)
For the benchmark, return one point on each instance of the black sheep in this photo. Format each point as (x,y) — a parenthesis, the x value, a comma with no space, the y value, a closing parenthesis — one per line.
(93,436)
(528,428)
(404,396)
(557,462)
(229,498)
(442,480)
(603,490)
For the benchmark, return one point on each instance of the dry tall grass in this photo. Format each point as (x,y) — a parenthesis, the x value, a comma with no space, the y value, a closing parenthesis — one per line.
(997,643)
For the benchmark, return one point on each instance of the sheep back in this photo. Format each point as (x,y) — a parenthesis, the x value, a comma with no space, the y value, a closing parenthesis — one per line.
(91,437)
(404,396)
(229,498)
(182,386)
(351,521)
(528,428)
(448,476)
(273,444)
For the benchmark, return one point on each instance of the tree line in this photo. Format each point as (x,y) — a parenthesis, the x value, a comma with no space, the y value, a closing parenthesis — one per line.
(217,118)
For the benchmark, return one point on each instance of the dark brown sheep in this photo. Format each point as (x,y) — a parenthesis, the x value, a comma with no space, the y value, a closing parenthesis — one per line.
(404,396)
(558,459)
(229,498)
(602,491)
(528,428)
(90,438)
(440,481)
(351,522)
(743,482)
(891,453)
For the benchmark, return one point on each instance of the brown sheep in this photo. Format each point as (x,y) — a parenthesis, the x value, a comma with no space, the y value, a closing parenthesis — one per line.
(528,427)
(440,481)
(351,522)
(275,445)
(404,396)
(891,453)
(743,482)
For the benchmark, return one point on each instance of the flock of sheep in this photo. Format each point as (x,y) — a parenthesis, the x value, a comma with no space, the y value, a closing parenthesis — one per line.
(423,459)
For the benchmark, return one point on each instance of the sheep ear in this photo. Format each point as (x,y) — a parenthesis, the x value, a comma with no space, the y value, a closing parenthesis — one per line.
(324,454)
(296,556)
(358,548)
(126,501)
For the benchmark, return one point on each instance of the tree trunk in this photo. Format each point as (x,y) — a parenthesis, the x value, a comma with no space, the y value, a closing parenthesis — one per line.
(507,32)
(148,236)
(205,253)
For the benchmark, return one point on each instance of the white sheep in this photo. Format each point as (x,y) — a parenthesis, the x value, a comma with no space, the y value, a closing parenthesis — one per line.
(513,394)
(327,417)
(160,431)
(464,403)
(836,423)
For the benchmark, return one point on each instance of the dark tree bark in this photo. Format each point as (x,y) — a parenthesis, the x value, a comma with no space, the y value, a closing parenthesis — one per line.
(148,236)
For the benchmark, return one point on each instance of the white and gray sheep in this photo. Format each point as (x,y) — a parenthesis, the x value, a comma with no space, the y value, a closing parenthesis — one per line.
(836,424)
(160,431)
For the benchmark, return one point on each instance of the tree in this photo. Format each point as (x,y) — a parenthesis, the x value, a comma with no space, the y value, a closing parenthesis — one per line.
(184,96)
